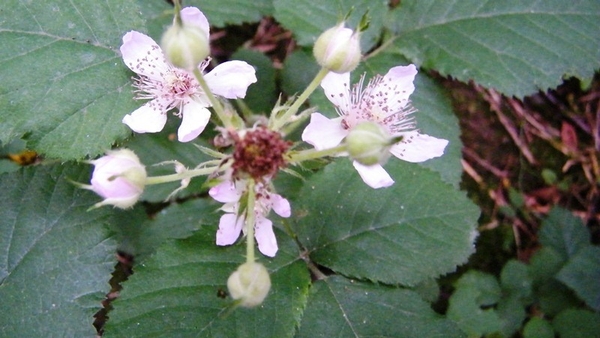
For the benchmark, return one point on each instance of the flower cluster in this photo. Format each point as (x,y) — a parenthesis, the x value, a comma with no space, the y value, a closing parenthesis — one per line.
(375,121)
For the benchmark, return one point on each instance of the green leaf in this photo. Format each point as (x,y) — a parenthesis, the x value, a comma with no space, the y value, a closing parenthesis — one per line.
(538,328)
(140,235)
(564,232)
(64,84)
(420,226)
(473,291)
(515,279)
(576,323)
(56,257)
(338,307)
(177,293)
(582,274)
(233,12)
(515,47)
(308,19)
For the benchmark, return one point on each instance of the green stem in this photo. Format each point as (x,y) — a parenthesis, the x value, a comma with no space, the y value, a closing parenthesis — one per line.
(218,108)
(177,19)
(311,154)
(180,176)
(250,219)
(279,122)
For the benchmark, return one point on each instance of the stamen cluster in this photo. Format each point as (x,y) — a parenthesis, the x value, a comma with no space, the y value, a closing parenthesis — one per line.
(259,153)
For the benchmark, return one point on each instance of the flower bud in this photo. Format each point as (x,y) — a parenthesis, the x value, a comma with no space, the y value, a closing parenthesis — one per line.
(249,284)
(369,143)
(119,178)
(338,49)
(185,45)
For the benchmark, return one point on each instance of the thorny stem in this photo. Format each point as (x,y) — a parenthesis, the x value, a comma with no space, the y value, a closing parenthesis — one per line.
(311,154)
(225,119)
(279,122)
(181,176)
(250,223)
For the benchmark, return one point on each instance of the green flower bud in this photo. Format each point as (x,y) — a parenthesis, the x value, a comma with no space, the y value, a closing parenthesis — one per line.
(338,49)
(185,45)
(250,284)
(369,143)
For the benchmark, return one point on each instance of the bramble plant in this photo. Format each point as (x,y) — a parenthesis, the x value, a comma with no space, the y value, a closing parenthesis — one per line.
(340,163)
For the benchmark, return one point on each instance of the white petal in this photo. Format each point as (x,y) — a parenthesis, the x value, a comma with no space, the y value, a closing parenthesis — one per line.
(229,229)
(193,16)
(225,192)
(417,147)
(324,133)
(374,176)
(281,206)
(195,118)
(143,55)
(231,79)
(149,118)
(263,232)
(397,86)
(337,90)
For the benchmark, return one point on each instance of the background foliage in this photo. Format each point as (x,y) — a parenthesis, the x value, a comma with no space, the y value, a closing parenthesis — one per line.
(352,261)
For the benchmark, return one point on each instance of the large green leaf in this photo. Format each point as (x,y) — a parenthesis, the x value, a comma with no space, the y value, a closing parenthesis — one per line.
(140,235)
(63,84)
(176,293)
(419,228)
(307,19)
(338,307)
(516,47)
(577,323)
(55,256)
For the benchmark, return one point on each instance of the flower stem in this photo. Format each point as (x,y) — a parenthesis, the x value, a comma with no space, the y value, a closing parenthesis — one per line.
(311,154)
(250,219)
(225,119)
(177,19)
(180,176)
(279,122)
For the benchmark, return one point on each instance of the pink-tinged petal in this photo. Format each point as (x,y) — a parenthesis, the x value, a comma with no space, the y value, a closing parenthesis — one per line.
(225,192)
(337,90)
(417,147)
(396,87)
(231,79)
(263,232)
(195,118)
(324,133)
(149,118)
(281,206)
(229,229)
(143,55)
(374,175)
(193,16)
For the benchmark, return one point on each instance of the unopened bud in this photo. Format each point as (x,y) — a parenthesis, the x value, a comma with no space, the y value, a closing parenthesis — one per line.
(185,45)
(338,49)
(119,178)
(369,143)
(249,284)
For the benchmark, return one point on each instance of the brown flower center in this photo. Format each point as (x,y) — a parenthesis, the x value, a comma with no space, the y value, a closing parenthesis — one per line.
(259,154)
